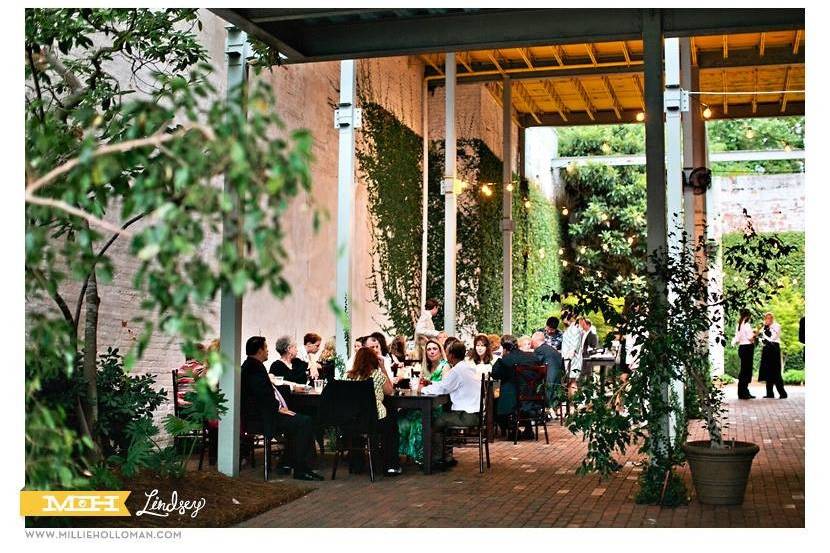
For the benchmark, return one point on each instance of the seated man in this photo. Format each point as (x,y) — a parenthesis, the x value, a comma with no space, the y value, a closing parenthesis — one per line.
(464,388)
(552,359)
(262,402)
(504,370)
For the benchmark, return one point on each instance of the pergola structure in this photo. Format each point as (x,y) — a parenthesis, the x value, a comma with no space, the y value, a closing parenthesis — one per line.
(545,67)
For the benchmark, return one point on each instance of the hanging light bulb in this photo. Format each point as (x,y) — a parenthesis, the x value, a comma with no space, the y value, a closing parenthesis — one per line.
(582,250)
(561,251)
(641,116)
(565,211)
(509,187)
(604,216)
(605,247)
(788,148)
(606,148)
(707,113)
(564,262)
(527,203)
(630,240)
(541,253)
(619,278)
(750,134)
(486,190)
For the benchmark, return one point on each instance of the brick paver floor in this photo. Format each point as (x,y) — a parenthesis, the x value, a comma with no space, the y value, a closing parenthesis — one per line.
(534,484)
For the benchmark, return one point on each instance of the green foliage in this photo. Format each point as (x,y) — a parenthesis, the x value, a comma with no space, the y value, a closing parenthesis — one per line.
(793,377)
(390,160)
(661,487)
(480,261)
(121,399)
(727,379)
(774,133)
(605,223)
(94,149)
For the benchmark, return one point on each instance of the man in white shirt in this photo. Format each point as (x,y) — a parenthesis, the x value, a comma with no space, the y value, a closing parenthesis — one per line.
(464,388)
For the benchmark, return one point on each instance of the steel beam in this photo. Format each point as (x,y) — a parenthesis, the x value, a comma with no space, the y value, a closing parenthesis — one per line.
(507,210)
(450,153)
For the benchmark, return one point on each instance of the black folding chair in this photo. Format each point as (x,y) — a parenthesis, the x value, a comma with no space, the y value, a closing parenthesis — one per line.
(474,436)
(350,407)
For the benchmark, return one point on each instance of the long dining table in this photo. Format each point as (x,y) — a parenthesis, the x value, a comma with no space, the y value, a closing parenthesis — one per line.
(309,400)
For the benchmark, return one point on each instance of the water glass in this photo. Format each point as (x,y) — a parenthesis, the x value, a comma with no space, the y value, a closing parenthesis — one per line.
(318,385)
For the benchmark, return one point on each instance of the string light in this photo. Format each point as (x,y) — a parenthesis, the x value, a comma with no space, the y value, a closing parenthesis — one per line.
(565,211)
(619,278)
(750,134)
(605,247)
(788,148)
(509,187)
(571,168)
(564,263)
(527,203)
(641,116)
(604,217)
(486,190)
(707,113)
(541,253)
(582,250)
(562,251)
(606,148)
(630,240)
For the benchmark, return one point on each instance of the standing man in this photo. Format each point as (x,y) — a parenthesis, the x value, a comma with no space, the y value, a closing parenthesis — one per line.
(590,341)
(262,403)
(552,359)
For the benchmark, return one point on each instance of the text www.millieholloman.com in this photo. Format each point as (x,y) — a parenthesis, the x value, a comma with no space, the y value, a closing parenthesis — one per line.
(109,534)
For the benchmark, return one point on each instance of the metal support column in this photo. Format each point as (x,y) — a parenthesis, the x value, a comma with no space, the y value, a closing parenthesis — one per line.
(656,228)
(675,102)
(449,197)
(507,209)
(346,120)
(237,50)
(694,140)
(425,193)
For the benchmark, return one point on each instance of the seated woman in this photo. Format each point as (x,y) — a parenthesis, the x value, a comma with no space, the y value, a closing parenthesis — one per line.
(410,427)
(327,361)
(481,356)
(366,366)
(288,365)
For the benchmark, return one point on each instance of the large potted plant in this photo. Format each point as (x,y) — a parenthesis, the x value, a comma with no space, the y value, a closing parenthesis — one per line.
(669,316)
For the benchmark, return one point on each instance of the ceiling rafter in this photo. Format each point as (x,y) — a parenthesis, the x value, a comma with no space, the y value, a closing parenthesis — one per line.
(639,86)
(615,102)
(755,88)
(592,52)
(492,55)
(589,105)
(762,44)
(786,87)
(464,59)
(427,58)
(796,41)
(558,54)
(561,108)
(625,52)
(527,56)
(694,51)
(725,89)
(524,96)
(725,47)
(495,90)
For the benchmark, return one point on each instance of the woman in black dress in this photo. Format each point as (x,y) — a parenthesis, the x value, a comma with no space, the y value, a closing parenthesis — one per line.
(770,370)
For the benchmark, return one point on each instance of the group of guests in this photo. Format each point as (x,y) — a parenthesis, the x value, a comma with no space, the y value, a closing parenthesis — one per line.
(769,335)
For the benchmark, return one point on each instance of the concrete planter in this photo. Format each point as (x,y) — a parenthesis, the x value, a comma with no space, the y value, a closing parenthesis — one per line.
(720,475)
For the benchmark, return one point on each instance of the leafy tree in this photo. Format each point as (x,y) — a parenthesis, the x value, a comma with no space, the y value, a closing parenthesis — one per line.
(773,133)
(108,160)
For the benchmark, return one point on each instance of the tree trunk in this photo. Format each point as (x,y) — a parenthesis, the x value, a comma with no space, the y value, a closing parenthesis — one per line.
(93,303)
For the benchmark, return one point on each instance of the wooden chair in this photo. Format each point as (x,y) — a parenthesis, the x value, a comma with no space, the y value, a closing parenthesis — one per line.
(531,399)
(474,436)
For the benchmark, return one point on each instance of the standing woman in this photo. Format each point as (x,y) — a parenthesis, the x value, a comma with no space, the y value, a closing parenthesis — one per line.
(745,340)
(572,349)
(770,370)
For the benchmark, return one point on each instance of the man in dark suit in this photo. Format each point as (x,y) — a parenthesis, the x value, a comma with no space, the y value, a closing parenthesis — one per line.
(504,370)
(263,404)
(552,359)
(590,342)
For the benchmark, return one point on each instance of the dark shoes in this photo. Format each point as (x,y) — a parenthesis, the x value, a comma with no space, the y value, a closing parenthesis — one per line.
(783,396)
(310,475)
(394,472)
(769,397)
(748,396)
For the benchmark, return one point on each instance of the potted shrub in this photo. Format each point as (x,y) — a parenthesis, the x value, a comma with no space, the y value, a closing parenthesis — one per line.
(668,317)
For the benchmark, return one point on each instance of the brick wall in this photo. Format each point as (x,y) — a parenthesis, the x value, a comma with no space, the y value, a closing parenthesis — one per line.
(775,202)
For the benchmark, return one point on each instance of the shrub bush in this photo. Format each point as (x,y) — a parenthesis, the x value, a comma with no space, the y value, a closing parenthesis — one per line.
(794,378)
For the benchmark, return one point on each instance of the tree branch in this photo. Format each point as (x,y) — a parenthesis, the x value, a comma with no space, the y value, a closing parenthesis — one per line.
(55,296)
(98,257)
(37,84)
(153,140)
(72,210)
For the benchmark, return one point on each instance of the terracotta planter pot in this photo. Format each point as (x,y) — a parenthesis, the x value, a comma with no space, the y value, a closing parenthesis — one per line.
(720,475)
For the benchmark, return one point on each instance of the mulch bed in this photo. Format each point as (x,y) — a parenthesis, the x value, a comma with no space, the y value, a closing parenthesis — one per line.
(228,501)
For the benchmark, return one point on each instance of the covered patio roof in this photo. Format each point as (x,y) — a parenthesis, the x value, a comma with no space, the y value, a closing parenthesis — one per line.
(568,67)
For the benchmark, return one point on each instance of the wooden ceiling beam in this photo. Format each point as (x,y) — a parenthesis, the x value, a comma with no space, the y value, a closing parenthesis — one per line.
(725,89)
(428,60)
(625,52)
(615,102)
(496,93)
(586,99)
(527,56)
(561,108)
(755,88)
(592,53)
(725,47)
(694,51)
(796,41)
(786,87)
(639,86)
(492,55)
(464,59)
(762,44)
(524,96)
(558,54)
